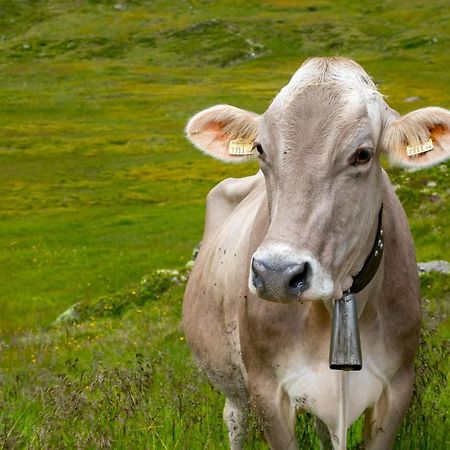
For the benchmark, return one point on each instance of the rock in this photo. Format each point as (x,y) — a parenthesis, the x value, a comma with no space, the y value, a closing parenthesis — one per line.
(432,184)
(196,250)
(70,315)
(440,266)
(175,276)
(190,264)
(412,99)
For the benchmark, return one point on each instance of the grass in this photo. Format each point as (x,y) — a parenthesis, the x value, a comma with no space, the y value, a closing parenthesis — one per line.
(100,188)
(122,375)
(99,185)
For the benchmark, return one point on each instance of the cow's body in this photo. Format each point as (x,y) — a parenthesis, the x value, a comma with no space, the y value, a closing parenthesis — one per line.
(277,355)
(274,356)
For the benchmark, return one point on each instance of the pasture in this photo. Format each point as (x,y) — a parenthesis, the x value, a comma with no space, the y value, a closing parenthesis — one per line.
(100,190)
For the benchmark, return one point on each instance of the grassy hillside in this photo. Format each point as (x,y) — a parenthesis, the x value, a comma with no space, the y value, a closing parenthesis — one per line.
(99,188)
(98,184)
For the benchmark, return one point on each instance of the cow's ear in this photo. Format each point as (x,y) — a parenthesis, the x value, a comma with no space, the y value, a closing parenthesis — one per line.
(418,139)
(224,132)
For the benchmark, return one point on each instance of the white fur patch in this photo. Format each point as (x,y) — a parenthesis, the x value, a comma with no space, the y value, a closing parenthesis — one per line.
(312,386)
(320,70)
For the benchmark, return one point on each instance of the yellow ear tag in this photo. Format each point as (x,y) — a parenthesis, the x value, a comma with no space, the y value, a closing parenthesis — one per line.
(419,149)
(240,147)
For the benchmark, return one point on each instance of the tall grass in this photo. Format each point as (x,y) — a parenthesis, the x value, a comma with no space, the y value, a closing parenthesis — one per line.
(127,379)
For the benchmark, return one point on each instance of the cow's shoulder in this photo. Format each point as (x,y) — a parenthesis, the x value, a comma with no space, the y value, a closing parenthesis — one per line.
(223,199)
(233,190)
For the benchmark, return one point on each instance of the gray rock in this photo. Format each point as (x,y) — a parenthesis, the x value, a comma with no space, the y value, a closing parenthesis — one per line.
(412,99)
(70,315)
(440,266)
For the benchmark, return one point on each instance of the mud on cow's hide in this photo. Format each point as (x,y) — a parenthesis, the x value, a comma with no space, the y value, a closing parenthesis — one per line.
(280,247)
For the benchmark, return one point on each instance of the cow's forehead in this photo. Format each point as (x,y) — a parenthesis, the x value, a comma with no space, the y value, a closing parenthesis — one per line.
(317,114)
(317,100)
(342,72)
(324,94)
(326,77)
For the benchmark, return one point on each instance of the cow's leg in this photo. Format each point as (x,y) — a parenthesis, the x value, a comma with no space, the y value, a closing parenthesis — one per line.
(276,417)
(383,420)
(235,417)
(323,434)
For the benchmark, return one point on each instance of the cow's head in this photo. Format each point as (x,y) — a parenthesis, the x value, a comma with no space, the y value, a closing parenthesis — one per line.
(318,145)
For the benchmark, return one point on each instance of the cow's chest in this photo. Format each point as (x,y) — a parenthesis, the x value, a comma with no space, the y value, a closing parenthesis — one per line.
(335,397)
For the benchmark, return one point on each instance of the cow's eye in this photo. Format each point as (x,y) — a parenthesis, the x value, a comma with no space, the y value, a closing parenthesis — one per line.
(363,155)
(259,149)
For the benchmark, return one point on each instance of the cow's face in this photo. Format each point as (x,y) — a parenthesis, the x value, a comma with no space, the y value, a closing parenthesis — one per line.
(318,145)
(318,150)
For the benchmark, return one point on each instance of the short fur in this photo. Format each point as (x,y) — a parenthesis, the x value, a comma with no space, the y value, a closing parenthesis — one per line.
(309,205)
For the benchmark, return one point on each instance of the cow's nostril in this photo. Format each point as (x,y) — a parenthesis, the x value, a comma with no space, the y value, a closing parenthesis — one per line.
(257,268)
(297,281)
(299,278)
(258,283)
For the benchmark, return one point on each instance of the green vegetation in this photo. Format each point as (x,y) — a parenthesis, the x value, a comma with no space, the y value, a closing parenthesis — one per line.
(100,188)
(121,377)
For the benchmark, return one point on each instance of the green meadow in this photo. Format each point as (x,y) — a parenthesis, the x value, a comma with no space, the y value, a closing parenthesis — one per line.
(100,191)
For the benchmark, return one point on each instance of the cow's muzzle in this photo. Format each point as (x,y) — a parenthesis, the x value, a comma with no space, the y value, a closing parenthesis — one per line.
(281,273)
(278,280)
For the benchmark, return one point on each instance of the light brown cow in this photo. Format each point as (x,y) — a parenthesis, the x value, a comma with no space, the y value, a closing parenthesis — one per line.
(296,233)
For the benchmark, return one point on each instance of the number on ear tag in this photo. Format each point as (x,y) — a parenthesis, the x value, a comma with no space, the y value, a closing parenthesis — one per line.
(419,149)
(240,147)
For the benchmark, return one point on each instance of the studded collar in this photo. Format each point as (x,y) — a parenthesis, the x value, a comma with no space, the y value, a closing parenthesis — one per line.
(370,267)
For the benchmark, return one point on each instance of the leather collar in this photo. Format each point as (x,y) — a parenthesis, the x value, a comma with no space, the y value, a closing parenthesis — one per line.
(370,267)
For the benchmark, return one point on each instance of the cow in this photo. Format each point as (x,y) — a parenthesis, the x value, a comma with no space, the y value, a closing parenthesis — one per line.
(282,246)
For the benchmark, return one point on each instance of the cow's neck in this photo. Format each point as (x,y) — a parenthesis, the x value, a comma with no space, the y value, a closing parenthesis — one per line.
(370,267)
